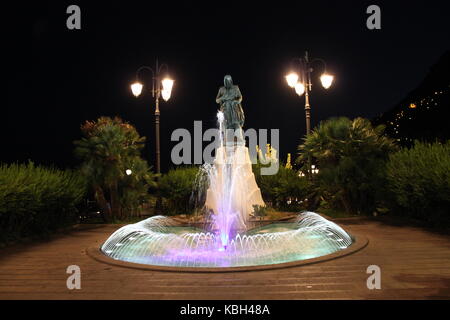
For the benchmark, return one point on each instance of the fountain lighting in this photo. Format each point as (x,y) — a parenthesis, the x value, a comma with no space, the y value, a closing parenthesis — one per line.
(156,241)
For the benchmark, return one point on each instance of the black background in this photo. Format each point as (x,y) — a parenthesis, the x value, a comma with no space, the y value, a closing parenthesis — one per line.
(57,78)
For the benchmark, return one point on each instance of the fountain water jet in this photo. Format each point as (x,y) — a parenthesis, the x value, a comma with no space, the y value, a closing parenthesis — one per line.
(232,191)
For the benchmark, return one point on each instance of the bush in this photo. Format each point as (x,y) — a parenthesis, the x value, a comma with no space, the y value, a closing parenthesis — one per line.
(284,190)
(419,181)
(35,200)
(351,156)
(176,188)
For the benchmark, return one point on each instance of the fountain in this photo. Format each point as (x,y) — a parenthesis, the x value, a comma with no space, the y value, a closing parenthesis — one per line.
(230,196)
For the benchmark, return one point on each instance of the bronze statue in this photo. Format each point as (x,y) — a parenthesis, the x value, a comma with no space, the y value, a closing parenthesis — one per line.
(229,98)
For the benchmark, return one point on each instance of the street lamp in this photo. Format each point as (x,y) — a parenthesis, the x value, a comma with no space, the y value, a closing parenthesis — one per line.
(301,82)
(292,79)
(157,92)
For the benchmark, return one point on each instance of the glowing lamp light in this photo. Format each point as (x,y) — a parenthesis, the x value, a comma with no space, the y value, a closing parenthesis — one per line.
(167,88)
(136,88)
(412,106)
(292,79)
(327,80)
(165,94)
(299,88)
(128,172)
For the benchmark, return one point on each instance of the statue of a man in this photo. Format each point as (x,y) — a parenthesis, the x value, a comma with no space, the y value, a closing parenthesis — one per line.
(229,98)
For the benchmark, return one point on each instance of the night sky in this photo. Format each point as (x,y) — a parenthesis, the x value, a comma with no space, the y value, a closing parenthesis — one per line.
(58,78)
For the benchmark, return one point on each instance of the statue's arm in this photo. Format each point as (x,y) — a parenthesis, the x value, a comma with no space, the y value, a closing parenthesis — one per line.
(219,95)
(238,95)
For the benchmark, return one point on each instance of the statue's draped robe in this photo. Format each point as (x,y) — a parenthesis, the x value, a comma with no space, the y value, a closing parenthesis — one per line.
(229,98)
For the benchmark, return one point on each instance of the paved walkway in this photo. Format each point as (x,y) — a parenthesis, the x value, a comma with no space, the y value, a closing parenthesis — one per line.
(415,264)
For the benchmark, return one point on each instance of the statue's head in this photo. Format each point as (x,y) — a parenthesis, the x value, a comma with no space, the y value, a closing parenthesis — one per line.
(228,81)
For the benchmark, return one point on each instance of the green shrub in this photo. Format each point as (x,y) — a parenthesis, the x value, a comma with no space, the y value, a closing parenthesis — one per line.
(266,211)
(419,182)
(283,190)
(176,188)
(351,156)
(35,200)
(259,211)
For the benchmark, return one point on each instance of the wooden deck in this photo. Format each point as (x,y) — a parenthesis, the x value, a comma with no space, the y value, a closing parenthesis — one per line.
(415,264)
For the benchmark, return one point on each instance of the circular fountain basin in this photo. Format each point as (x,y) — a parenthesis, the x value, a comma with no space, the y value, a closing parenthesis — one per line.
(160,243)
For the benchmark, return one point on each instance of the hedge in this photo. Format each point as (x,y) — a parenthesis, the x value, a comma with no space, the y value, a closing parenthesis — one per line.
(35,200)
(176,188)
(419,182)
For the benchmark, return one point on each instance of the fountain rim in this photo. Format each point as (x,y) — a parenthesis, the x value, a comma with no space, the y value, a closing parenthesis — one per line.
(359,243)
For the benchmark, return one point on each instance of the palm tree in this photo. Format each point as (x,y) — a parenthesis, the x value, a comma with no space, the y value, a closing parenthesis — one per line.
(134,187)
(351,155)
(108,148)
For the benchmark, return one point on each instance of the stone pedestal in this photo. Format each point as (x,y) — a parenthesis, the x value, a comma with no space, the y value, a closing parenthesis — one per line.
(233,190)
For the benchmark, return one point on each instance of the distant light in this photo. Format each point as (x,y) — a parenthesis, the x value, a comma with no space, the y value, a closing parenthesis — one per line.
(136,88)
(412,106)
(292,79)
(128,172)
(167,88)
(299,88)
(327,80)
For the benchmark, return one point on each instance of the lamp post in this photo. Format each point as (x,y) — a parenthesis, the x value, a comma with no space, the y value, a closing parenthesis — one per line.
(157,92)
(301,82)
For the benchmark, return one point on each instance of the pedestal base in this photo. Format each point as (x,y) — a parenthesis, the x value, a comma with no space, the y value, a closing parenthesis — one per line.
(233,190)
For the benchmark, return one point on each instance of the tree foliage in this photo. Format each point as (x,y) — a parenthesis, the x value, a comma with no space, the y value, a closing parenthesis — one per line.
(108,148)
(419,181)
(351,157)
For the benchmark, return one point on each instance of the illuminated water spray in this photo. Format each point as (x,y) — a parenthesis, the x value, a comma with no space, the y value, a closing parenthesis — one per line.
(161,241)
(232,191)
